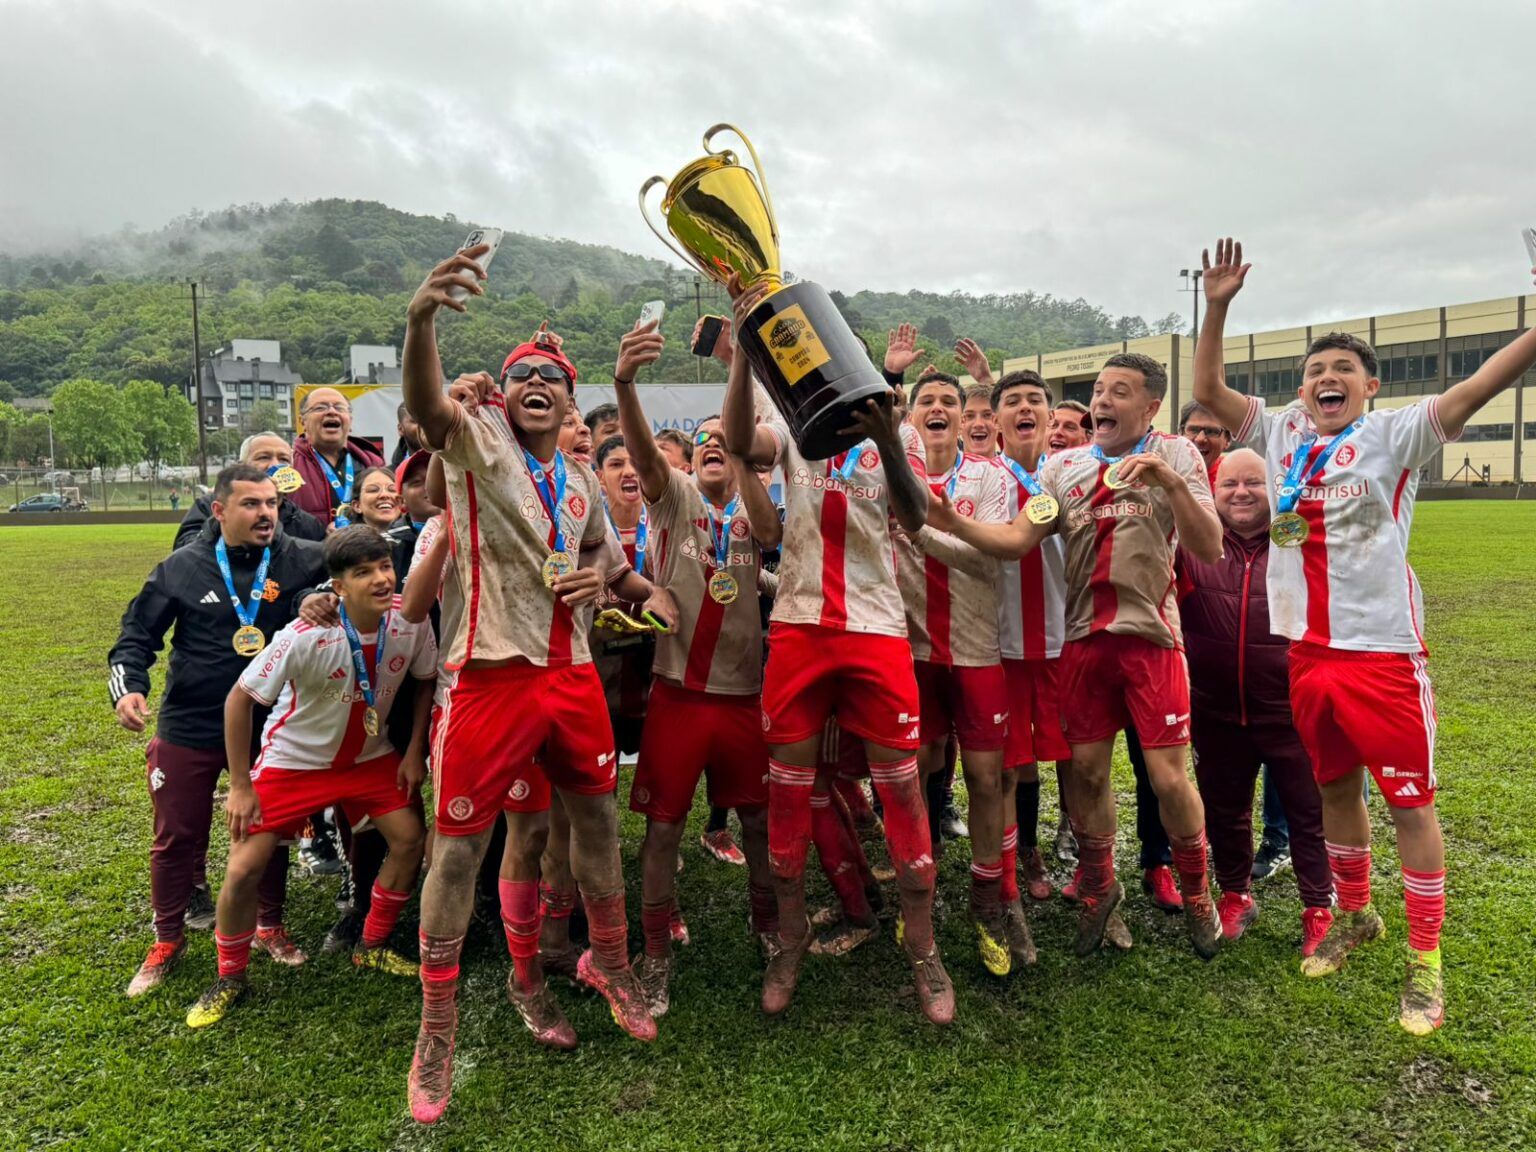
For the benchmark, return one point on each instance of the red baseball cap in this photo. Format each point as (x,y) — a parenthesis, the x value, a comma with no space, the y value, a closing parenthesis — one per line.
(417,459)
(548,351)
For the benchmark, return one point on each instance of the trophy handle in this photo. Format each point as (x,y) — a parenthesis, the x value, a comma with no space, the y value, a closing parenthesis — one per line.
(645,212)
(757,168)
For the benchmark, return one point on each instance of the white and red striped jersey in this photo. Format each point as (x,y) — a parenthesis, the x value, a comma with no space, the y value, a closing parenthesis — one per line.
(1120,543)
(838,568)
(716,648)
(450,602)
(950,589)
(1349,584)
(502,534)
(1031,591)
(306,676)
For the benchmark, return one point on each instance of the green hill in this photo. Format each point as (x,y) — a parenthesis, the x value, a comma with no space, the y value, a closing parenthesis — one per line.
(326,274)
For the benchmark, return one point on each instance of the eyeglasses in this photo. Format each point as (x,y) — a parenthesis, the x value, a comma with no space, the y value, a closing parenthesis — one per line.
(328,406)
(522,370)
(702,438)
(1193,430)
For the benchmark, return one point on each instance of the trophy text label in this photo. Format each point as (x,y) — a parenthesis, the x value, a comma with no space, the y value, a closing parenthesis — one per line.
(794,344)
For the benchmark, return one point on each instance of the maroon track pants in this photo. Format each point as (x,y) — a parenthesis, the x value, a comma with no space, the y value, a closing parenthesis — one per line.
(1227,762)
(181,786)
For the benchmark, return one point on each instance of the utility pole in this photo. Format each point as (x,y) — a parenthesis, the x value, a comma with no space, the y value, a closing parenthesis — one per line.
(197,388)
(1192,284)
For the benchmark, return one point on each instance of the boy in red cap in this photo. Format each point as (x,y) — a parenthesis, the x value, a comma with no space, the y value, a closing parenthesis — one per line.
(531,550)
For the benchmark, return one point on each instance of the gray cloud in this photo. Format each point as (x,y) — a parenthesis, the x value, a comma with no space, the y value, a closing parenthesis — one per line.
(1368,153)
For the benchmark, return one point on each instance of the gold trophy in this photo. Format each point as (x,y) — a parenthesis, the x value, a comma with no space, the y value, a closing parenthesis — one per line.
(721,217)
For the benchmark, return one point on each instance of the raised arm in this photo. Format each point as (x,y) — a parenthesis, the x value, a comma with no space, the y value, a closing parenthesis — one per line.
(640,347)
(421,369)
(1223,280)
(762,516)
(744,437)
(879,421)
(1460,402)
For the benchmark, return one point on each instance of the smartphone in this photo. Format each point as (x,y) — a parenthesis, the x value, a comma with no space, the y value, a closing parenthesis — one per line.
(491,236)
(652,310)
(655,621)
(709,336)
(1530,243)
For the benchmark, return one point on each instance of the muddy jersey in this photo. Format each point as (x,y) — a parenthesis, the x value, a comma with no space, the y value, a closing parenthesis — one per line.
(1031,591)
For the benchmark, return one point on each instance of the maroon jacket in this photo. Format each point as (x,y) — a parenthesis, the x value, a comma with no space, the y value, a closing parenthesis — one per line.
(1238,672)
(316,496)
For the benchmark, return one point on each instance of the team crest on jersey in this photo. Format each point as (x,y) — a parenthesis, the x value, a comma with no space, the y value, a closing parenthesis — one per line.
(766,722)
(739,529)
(156,779)
(868,459)
(270,590)
(396,663)
(642,795)
(461,808)
(965,506)
(530,508)
(519,790)
(1346,455)
(577,505)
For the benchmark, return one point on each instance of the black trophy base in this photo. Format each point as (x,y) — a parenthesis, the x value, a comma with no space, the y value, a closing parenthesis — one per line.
(813,367)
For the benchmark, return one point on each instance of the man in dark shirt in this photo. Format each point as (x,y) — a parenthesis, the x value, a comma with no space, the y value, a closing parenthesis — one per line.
(225,595)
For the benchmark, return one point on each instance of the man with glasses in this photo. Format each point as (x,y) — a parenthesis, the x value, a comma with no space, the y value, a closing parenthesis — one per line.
(1201,428)
(327,455)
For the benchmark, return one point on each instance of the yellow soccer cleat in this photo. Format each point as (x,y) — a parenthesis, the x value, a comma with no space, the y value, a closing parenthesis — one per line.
(992,943)
(214,1004)
(385,959)
(1423,999)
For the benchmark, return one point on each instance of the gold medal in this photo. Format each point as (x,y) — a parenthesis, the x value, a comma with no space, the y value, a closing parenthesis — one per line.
(371,720)
(1289,530)
(343,513)
(723,588)
(287,479)
(1112,477)
(1041,509)
(557,565)
(249,640)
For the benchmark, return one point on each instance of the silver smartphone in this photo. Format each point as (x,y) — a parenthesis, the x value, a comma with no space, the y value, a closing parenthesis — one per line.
(652,310)
(491,236)
(1530,243)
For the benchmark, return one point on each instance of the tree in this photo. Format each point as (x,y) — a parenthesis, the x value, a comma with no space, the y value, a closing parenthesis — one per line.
(262,416)
(1171,323)
(938,329)
(92,419)
(165,422)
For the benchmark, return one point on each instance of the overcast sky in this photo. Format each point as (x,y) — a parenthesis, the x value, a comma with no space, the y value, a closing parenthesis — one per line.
(1373,156)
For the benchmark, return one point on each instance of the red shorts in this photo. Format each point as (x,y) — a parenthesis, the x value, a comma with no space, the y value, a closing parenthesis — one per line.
(1034,713)
(1110,680)
(290,796)
(494,721)
(689,733)
(865,679)
(970,702)
(529,790)
(1370,708)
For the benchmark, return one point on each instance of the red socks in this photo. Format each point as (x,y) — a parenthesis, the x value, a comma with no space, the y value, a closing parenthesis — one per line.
(1096,858)
(765,909)
(839,857)
(656,924)
(789,818)
(1010,864)
(1424,893)
(234,953)
(906,835)
(556,903)
(439,982)
(1351,875)
(986,888)
(1189,863)
(383,912)
(608,930)
(520,921)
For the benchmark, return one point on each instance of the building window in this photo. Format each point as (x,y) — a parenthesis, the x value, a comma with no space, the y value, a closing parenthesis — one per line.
(1237,378)
(1481,433)
(231,403)
(1466,354)
(265,391)
(1277,379)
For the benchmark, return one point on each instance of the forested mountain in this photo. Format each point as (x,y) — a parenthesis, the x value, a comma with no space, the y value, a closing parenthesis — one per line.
(323,275)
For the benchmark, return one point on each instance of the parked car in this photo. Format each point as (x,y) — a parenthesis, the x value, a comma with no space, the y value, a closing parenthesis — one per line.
(48,502)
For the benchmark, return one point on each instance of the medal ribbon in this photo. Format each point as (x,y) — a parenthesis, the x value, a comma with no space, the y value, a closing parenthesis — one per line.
(720,530)
(1300,475)
(359,665)
(336,481)
(1098,453)
(1030,480)
(850,462)
(642,532)
(552,497)
(258,585)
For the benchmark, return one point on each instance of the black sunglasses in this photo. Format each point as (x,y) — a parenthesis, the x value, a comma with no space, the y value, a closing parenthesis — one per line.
(522,370)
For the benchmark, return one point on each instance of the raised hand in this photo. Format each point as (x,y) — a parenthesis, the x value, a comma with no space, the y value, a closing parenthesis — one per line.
(639,347)
(1224,279)
(724,347)
(973,359)
(877,420)
(472,390)
(458,271)
(743,300)
(901,348)
(545,336)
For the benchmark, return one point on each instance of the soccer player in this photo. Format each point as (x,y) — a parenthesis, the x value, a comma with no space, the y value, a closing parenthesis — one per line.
(532,551)
(1071,426)
(705,717)
(838,643)
(677,448)
(221,594)
(1341,589)
(327,455)
(602,422)
(269,452)
(978,421)
(330,691)
(1123,504)
(576,437)
(624,662)
(951,602)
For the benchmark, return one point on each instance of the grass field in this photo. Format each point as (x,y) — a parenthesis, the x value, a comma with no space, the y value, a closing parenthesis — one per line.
(1147,1050)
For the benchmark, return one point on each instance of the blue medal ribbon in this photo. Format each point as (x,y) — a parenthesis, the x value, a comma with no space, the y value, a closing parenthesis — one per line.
(1300,475)
(850,462)
(1030,480)
(359,665)
(720,530)
(1098,453)
(258,585)
(342,490)
(553,497)
(642,532)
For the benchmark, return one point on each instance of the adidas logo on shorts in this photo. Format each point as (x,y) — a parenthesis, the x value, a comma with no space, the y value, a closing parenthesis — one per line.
(1409,789)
